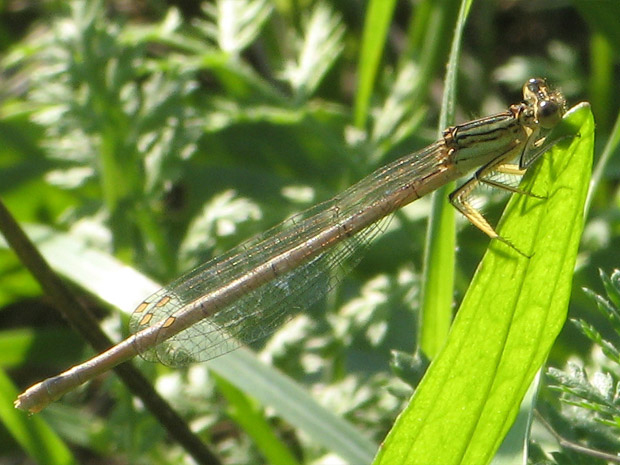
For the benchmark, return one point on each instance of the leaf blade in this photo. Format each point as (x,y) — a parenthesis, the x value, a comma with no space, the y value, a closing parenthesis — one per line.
(508,321)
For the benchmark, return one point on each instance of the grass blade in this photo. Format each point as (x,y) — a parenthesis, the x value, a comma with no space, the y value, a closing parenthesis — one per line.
(439,256)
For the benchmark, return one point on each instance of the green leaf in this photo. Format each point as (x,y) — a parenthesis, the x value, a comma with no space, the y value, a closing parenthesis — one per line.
(33,434)
(509,319)
(317,50)
(378,18)
(252,418)
(235,23)
(439,258)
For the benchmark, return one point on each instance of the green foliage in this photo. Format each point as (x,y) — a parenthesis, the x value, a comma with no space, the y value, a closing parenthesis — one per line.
(506,325)
(591,402)
(164,135)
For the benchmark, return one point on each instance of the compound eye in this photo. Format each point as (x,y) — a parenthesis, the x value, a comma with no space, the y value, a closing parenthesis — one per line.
(535,84)
(549,114)
(532,89)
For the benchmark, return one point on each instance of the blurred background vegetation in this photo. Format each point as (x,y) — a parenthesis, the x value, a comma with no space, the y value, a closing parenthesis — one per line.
(166,132)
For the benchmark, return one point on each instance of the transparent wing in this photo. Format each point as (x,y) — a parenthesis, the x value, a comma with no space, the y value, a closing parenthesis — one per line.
(260,310)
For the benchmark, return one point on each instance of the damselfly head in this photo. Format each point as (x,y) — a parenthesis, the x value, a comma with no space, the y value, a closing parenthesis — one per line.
(548,105)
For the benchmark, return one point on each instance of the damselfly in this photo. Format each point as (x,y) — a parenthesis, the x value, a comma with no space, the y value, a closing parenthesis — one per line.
(243,295)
